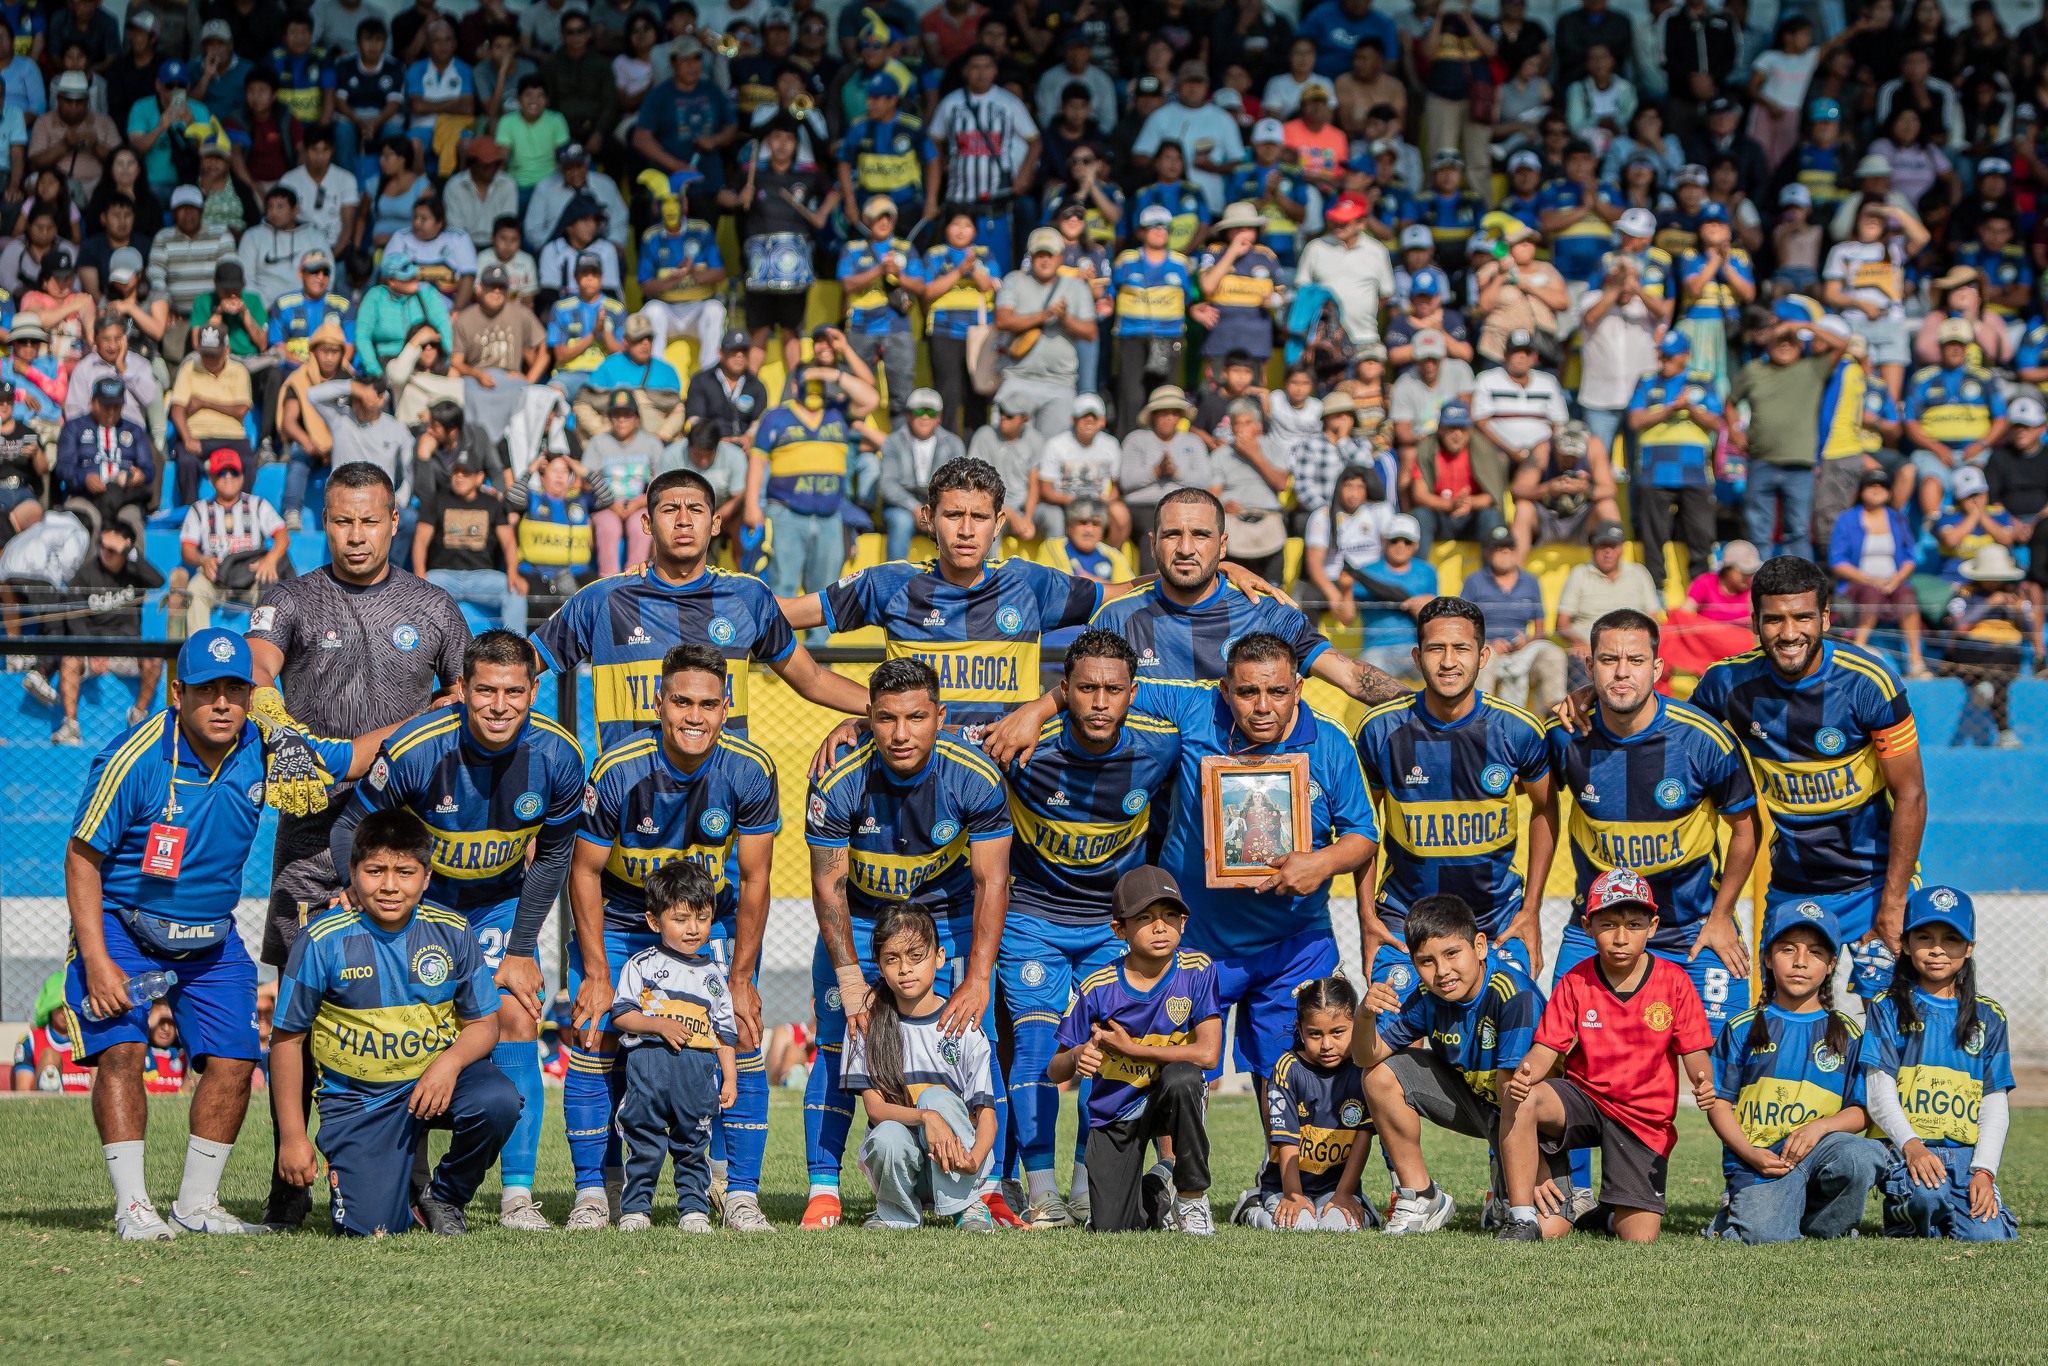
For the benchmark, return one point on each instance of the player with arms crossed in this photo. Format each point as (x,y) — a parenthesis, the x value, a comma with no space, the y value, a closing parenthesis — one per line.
(910,816)
(491,780)
(690,791)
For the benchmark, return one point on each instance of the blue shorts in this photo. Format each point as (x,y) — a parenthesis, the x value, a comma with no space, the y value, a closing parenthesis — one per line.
(1394,967)
(1723,993)
(1042,961)
(618,947)
(492,926)
(1856,913)
(214,1001)
(1262,985)
(956,935)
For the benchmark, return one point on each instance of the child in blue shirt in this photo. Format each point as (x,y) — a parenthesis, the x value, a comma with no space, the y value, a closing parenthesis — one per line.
(1317,1129)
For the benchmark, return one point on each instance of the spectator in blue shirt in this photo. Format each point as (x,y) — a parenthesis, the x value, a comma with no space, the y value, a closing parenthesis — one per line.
(1338,26)
(440,96)
(686,122)
(21,83)
(1522,667)
(1393,591)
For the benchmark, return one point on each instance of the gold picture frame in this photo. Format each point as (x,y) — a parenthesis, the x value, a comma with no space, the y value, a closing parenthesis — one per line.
(1254,810)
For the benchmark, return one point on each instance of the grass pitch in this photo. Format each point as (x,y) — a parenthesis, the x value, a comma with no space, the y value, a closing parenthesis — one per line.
(71,1293)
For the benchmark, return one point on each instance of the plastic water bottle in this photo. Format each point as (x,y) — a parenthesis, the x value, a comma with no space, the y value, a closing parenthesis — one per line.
(143,988)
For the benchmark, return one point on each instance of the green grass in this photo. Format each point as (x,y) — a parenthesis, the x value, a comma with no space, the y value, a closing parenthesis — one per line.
(71,1293)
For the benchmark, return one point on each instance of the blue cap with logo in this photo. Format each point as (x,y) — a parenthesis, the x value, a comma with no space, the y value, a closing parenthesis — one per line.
(1454,414)
(882,85)
(1823,109)
(1675,343)
(1713,212)
(1942,906)
(1808,915)
(1429,280)
(214,653)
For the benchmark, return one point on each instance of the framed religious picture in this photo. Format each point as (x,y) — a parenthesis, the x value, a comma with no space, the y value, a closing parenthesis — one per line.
(1254,809)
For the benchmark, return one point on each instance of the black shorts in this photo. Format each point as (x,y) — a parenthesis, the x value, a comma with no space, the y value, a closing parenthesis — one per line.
(1632,1173)
(777,308)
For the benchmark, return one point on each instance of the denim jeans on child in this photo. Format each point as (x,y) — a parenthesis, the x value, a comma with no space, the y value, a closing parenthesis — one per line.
(1915,1211)
(900,1167)
(1822,1197)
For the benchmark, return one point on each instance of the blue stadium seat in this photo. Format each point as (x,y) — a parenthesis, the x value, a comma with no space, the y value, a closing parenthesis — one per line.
(269,485)
(479,620)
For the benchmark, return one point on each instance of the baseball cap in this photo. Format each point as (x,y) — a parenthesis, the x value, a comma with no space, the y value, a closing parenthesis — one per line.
(1876,164)
(465,461)
(1155,216)
(1135,890)
(1524,161)
(1796,195)
(1521,339)
(109,389)
(1619,887)
(1713,212)
(2027,411)
(1073,208)
(172,72)
(1675,343)
(216,30)
(882,86)
(124,265)
(214,654)
(1429,280)
(1193,70)
(1638,223)
(187,197)
(1955,330)
(145,20)
(224,459)
(1269,131)
(735,339)
(494,277)
(1994,166)
(774,17)
(1741,556)
(1044,240)
(210,338)
(589,263)
(1823,110)
(1402,527)
(1148,85)
(1874,477)
(1429,345)
(315,260)
(399,266)
(1497,537)
(1315,88)
(1607,533)
(1692,173)
(1227,98)
(929,401)
(1384,147)
(229,275)
(572,153)
(639,326)
(1721,104)
(686,47)
(1415,235)
(1447,156)
(1089,405)
(1928,906)
(1454,414)
(1347,209)
(622,400)
(1806,915)
(1967,482)
(72,85)
(878,206)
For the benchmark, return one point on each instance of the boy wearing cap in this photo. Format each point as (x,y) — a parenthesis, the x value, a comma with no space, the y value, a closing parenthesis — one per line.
(585,327)
(104,460)
(208,401)
(1153,287)
(1972,523)
(884,153)
(221,542)
(1238,288)
(1717,278)
(1676,419)
(1955,414)
(2018,476)
(881,273)
(1144,1031)
(1427,312)
(1081,463)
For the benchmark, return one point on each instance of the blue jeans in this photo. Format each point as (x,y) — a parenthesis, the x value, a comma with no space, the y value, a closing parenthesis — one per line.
(1441,526)
(1609,425)
(1089,353)
(898,526)
(1774,490)
(485,588)
(298,476)
(1915,1211)
(1822,1197)
(810,548)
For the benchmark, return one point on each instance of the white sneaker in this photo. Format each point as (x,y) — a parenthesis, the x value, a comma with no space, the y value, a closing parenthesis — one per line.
(525,1216)
(1247,1201)
(976,1219)
(635,1222)
(212,1218)
(587,1216)
(38,686)
(1049,1211)
(1981,692)
(1419,1214)
(694,1222)
(1193,1216)
(140,1223)
(67,734)
(2010,739)
(294,520)
(743,1213)
(1584,1200)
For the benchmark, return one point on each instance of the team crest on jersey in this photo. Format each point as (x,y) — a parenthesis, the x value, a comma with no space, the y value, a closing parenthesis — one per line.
(832,997)
(1942,899)
(950,1051)
(1494,778)
(1829,740)
(380,773)
(1400,977)
(256,793)
(405,638)
(1178,1008)
(431,965)
(1670,794)
(1351,1114)
(221,649)
(1009,621)
(945,832)
(528,806)
(263,619)
(1657,1016)
(1033,973)
(1488,1035)
(1825,1058)
(1975,1043)
(713,987)
(1315,790)
(715,821)
(817,809)
(1134,801)
(1972,390)
(639,637)
(722,631)
(590,799)
(901,144)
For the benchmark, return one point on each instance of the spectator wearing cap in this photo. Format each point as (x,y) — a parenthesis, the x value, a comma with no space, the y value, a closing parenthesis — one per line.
(307,438)
(225,202)
(39,385)
(584,326)
(1043,313)
(914,449)
(1972,523)
(1318,460)
(1991,195)
(1873,178)
(638,369)
(1014,447)
(1871,550)
(222,543)
(579,241)
(881,274)
(1721,135)
(1456,54)
(1675,419)
(329,196)
(64,311)
(1279,190)
(1313,142)
(210,400)
(234,308)
(1524,668)
(1523,201)
(393,310)
(1519,294)
(105,467)
(182,258)
(1783,388)
(728,396)
(1432,378)
(1239,276)
(1081,463)
(1152,287)
(498,340)
(1208,136)
(1955,414)
(299,313)
(1417,253)
(1455,493)
(1606,583)
(1560,491)
(1427,312)
(625,454)
(1352,264)
(476,197)
(1390,593)
(573,176)
(72,138)
(1716,279)
(2017,474)
(157,118)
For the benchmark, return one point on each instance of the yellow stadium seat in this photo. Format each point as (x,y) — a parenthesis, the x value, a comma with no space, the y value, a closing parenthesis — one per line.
(1453,561)
(1552,564)
(682,354)
(1290,560)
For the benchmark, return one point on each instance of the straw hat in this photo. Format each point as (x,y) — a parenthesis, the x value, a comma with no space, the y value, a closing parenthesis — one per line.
(1993,564)
(1166,398)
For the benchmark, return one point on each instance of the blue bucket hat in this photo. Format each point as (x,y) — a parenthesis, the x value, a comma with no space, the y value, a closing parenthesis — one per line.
(398,266)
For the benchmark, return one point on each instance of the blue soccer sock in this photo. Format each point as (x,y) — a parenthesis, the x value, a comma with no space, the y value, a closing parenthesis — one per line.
(520,1061)
(1034,1100)
(828,1118)
(1582,1168)
(742,1131)
(1082,1092)
(587,1108)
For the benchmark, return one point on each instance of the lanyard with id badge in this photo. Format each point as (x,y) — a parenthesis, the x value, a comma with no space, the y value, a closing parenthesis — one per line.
(163,856)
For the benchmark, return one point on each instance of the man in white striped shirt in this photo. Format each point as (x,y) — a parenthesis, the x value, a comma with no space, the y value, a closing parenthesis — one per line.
(181,262)
(987,153)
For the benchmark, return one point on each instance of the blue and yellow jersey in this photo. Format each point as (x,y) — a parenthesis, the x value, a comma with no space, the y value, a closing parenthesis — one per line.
(1152,298)
(623,626)
(1281,233)
(1941,1083)
(1648,802)
(1956,406)
(1489,1034)
(1678,232)
(1677,452)
(1820,170)
(1527,211)
(1163,1016)
(295,319)
(648,812)
(483,807)
(1250,281)
(806,454)
(867,309)
(301,81)
(888,157)
(1451,220)
(982,640)
(2033,346)
(1577,248)
(907,837)
(378,1007)
(690,987)
(1653,270)
(1446,794)
(1817,748)
(150,776)
(2004,268)
(1321,1114)
(663,253)
(1396,206)
(1717,298)
(959,308)
(1082,818)
(1792,1080)
(1104,564)
(1226,921)
(1190,643)
(555,533)
(26,20)
(1954,558)
(1185,202)
(1843,406)
(572,319)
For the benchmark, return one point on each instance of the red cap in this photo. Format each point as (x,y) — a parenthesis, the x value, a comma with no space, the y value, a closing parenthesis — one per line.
(1348,208)
(1619,887)
(224,459)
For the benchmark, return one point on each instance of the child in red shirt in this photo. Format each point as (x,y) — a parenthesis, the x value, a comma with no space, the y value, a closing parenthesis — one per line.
(1617,1020)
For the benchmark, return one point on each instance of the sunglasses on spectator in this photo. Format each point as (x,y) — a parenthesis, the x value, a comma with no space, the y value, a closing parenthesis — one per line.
(924,412)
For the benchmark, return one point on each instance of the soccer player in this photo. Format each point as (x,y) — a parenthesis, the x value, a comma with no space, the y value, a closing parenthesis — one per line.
(397,1001)
(1443,765)
(693,791)
(152,873)
(626,625)
(491,780)
(909,816)
(1830,735)
(1648,781)
(1082,808)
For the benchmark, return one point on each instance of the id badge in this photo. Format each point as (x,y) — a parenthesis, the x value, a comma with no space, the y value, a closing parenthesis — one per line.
(165,853)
